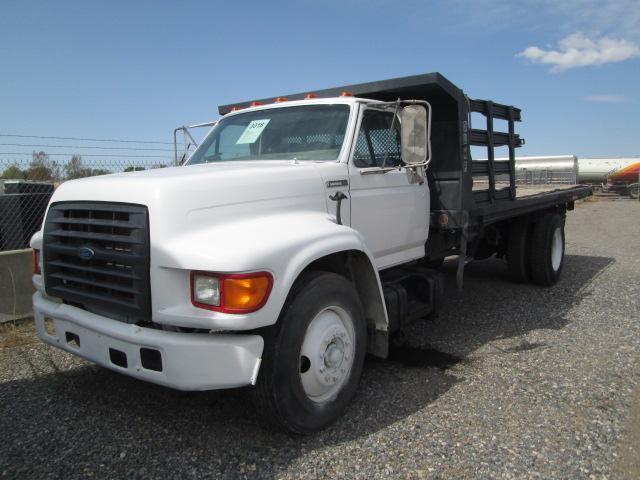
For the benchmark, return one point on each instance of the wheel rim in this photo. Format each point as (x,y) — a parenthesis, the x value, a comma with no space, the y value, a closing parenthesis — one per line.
(327,352)
(556,249)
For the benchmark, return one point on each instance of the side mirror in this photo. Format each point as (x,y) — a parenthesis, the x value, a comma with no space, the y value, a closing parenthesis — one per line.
(413,134)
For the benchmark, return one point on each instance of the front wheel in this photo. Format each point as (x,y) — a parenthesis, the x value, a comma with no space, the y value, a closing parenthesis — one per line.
(634,190)
(313,356)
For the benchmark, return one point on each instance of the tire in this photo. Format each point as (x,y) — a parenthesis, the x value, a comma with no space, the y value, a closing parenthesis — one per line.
(547,249)
(518,250)
(313,355)
(634,190)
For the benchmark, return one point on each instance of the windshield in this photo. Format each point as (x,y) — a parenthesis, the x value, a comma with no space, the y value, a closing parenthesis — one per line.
(306,132)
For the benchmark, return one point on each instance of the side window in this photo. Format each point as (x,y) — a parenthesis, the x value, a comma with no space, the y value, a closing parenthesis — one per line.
(375,141)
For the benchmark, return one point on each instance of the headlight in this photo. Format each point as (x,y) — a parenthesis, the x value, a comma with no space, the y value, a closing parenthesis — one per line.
(230,293)
(205,289)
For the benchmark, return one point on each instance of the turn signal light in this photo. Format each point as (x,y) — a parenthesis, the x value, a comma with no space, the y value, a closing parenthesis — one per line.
(230,293)
(35,262)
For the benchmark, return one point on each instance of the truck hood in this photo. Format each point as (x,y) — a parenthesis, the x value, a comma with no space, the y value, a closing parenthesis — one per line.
(186,198)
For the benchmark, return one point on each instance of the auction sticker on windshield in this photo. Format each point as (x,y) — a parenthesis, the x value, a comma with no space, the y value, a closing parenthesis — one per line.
(253,131)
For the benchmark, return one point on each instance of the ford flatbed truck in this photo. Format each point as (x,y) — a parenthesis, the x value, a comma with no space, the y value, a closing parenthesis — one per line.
(302,233)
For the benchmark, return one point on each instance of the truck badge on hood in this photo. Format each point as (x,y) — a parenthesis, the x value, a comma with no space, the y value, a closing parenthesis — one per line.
(85,253)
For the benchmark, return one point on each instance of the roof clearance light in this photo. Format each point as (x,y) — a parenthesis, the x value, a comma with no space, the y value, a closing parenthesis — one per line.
(281,99)
(346,94)
(235,109)
(309,96)
(256,104)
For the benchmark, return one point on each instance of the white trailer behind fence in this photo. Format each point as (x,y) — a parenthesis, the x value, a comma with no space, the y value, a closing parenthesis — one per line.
(552,169)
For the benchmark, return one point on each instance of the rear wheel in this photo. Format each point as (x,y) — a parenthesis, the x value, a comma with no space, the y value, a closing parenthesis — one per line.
(547,249)
(313,356)
(518,251)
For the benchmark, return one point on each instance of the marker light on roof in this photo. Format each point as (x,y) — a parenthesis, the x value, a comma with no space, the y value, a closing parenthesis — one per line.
(281,99)
(346,94)
(309,96)
(256,104)
(235,109)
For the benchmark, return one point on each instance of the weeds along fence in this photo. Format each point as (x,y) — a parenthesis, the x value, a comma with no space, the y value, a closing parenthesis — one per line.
(27,182)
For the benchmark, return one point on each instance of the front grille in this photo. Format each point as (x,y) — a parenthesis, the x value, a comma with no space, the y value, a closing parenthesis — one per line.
(96,257)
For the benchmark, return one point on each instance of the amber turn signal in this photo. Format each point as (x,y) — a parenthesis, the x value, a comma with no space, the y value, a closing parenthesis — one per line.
(245,294)
(35,262)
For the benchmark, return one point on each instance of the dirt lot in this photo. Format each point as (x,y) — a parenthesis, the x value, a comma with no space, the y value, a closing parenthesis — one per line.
(509,381)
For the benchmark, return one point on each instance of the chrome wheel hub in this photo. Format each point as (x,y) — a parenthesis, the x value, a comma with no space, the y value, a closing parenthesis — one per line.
(326,356)
(556,250)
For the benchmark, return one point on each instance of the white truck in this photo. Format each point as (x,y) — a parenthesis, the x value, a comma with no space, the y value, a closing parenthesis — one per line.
(300,235)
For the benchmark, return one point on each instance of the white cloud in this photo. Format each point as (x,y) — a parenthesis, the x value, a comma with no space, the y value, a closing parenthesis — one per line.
(577,50)
(606,98)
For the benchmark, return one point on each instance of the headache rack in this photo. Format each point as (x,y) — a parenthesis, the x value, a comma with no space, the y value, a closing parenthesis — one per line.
(96,257)
(489,138)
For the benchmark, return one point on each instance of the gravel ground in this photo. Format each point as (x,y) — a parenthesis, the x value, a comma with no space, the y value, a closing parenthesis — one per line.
(540,383)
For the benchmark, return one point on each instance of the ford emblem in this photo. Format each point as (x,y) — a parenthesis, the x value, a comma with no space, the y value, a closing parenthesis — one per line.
(85,253)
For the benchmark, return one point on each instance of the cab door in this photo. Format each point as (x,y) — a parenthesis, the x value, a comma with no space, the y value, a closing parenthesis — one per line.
(389,205)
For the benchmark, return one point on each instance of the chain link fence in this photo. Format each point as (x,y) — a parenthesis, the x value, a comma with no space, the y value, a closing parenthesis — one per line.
(26,187)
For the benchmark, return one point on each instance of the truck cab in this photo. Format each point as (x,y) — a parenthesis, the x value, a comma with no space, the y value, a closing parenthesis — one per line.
(295,239)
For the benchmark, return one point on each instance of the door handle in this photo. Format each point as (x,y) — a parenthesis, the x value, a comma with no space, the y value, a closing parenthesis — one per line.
(338,197)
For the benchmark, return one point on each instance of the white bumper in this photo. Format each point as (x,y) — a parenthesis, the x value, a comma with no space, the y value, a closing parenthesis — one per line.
(189,361)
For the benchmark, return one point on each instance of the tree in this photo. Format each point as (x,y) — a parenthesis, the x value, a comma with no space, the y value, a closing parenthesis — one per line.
(13,172)
(42,168)
(76,169)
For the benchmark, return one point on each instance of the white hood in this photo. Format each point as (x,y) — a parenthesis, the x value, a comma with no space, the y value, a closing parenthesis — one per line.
(192,197)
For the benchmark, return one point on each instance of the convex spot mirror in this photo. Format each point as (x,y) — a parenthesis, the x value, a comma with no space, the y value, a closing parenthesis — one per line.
(413,133)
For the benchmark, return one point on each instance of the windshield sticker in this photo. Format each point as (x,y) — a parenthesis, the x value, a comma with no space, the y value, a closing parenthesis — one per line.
(253,131)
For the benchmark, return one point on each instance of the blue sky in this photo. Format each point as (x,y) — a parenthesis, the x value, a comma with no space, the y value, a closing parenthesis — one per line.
(137,69)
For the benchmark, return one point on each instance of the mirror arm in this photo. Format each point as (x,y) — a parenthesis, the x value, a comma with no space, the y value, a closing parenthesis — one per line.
(390,132)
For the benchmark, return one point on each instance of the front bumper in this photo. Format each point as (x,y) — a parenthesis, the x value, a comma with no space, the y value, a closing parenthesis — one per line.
(189,361)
